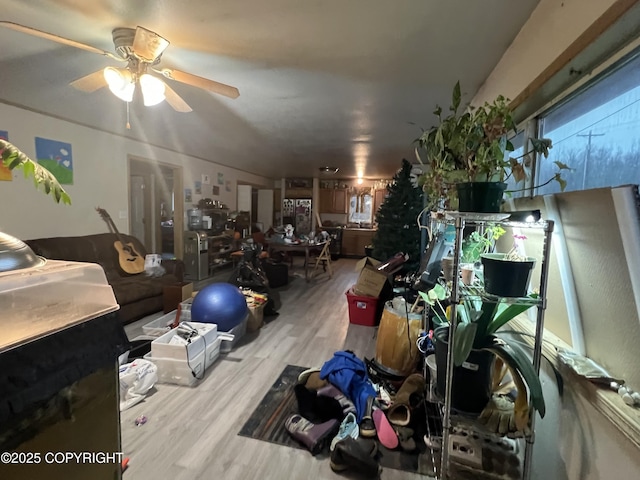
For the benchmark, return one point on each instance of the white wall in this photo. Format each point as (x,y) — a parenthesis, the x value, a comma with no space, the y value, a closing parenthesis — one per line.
(265,208)
(552,27)
(100,178)
(574,441)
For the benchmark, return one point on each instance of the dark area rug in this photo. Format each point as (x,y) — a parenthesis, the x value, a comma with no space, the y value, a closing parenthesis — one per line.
(266,423)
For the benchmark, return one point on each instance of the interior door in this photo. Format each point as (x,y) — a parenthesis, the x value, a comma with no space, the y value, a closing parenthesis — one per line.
(156,210)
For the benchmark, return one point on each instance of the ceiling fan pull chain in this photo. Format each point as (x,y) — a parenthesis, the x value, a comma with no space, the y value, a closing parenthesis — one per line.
(128,124)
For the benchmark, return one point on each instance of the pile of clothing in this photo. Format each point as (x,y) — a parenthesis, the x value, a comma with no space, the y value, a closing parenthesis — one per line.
(341,407)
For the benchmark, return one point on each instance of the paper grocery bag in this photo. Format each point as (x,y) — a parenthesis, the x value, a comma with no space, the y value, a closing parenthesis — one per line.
(396,346)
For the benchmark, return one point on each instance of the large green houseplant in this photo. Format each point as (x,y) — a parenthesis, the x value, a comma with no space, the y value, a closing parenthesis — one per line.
(13,158)
(479,320)
(471,146)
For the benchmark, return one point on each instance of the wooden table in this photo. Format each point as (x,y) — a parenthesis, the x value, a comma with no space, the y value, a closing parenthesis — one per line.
(299,247)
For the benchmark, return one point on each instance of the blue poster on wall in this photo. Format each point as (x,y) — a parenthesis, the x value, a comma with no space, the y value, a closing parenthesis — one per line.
(56,157)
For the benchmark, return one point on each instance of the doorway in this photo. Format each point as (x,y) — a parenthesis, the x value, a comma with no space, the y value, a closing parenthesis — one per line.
(157,206)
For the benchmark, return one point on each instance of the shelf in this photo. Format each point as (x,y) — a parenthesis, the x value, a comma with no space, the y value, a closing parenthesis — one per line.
(471,218)
(461,434)
(222,252)
(215,266)
(476,292)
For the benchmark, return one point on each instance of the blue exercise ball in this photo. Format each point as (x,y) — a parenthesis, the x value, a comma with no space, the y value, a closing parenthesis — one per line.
(220,303)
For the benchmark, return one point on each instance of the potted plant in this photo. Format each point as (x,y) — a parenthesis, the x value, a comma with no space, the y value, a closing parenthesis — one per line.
(507,274)
(13,158)
(467,156)
(478,343)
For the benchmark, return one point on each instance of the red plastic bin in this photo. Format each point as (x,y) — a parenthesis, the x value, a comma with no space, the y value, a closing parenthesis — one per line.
(362,309)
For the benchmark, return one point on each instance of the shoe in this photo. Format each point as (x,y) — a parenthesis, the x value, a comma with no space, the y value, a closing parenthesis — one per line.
(399,413)
(367,426)
(383,398)
(333,392)
(315,408)
(348,428)
(310,378)
(311,435)
(302,378)
(405,438)
(386,435)
(351,453)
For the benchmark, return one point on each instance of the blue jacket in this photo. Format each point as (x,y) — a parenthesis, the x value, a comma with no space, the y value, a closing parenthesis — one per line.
(349,374)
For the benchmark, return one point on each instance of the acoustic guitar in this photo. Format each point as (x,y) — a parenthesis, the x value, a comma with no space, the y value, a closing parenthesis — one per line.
(130,260)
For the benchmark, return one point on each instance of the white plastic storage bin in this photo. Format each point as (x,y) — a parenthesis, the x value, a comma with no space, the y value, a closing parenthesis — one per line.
(163,347)
(238,332)
(186,305)
(212,352)
(181,372)
(162,325)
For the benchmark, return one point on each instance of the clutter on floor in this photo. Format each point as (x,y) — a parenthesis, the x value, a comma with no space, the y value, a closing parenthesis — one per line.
(183,343)
(297,391)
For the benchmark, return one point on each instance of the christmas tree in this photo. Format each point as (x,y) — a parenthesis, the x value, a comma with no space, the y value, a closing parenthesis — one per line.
(397,219)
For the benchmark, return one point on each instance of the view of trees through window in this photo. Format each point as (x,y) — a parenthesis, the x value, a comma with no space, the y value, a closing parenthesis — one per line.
(596,133)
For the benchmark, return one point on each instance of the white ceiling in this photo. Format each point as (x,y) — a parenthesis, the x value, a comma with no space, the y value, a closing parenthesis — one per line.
(345,83)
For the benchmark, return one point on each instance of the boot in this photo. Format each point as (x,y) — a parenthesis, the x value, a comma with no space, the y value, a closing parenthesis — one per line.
(410,394)
(333,392)
(311,435)
(356,455)
(316,408)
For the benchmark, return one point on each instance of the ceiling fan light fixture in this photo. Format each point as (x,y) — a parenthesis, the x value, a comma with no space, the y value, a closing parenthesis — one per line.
(120,82)
(152,89)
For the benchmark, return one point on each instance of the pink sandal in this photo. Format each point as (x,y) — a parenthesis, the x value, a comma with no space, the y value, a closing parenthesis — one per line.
(386,433)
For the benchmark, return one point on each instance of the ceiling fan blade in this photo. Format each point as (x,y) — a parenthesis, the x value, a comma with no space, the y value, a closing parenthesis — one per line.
(200,82)
(175,100)
(148,45)
(90,83)
(55,38)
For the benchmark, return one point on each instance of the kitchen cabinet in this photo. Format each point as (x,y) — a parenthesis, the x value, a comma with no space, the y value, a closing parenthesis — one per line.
(333,200)
(378,198)
(354,240)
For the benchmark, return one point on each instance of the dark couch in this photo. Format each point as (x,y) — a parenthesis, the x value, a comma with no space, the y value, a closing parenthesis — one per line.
(138,295)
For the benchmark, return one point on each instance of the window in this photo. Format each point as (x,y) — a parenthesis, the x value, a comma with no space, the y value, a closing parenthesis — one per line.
(360,207)
(516,189)
(596,132)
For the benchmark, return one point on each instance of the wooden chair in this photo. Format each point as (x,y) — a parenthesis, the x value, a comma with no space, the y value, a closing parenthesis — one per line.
(324,258)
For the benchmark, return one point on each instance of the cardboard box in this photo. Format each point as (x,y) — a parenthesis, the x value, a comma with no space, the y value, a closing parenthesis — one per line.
(370,281)
(172,295)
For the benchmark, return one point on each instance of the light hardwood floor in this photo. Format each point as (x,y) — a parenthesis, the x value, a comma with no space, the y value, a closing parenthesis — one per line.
(191,433)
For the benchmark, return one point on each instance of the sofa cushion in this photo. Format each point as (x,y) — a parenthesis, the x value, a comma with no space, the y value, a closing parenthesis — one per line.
(135,287)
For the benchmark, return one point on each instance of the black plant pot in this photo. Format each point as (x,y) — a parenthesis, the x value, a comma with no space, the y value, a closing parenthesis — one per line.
(471,387)
(506,278)
(482,197)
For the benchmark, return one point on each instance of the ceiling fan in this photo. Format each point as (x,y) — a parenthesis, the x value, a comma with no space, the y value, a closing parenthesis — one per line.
(142,50)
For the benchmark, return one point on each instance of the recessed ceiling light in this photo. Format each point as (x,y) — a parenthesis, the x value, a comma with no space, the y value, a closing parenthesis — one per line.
(329,170)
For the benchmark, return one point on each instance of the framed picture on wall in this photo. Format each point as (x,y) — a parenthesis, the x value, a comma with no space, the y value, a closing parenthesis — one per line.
(187,195)
(56,157)
(215,190)
(198,187)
